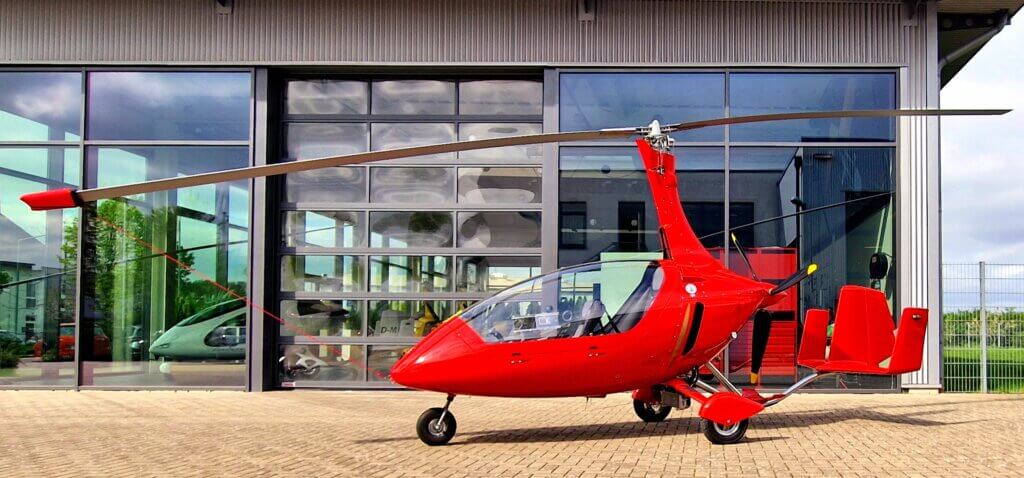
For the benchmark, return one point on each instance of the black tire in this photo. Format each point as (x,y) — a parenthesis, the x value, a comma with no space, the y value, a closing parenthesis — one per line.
(429,432)
(720,435)
(651,413)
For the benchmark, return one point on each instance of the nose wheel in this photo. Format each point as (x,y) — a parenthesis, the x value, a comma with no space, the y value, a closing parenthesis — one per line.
(436,426)
(724,435)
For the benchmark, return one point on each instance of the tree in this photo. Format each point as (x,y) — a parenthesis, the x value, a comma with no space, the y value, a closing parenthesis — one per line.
(4,277)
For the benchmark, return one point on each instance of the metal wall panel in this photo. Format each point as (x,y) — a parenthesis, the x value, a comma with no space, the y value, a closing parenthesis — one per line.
(918,240)
(450,31)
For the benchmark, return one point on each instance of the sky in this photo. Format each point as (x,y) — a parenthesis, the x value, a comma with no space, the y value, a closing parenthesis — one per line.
(983,157)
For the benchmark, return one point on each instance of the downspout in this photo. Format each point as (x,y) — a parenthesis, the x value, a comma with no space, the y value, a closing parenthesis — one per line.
(975,43)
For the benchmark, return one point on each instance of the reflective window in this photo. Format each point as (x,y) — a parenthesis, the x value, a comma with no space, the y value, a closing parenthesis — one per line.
(605,209)
(412,185)
(139,333)
(413,97)
(321,273)
(40,106)
(406,318)
(403,210)
(322,318)
(474,131)
(382,358)
(324,229)
(404,135)
(410,229)
(766,93)
(163,105)
(326,97)
(606,100)
(314,365)
(112,166)
(317,140)
(501,97)
(328,185)
(499,185)
(861,178)
(410,273)
(492,274)
(594,299)
(499,229)
(38,253)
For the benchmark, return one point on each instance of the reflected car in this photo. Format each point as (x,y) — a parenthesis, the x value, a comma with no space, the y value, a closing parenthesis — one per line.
(66,344)
(214,333)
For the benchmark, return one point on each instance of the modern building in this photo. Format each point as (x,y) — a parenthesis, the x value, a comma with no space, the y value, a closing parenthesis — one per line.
(347,267)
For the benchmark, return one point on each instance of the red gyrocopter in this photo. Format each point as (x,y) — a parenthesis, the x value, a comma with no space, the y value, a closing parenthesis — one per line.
(608,327)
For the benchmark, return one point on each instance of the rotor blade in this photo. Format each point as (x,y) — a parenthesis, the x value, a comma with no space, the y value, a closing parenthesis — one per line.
(828,114)
(794,279)
(743,255)
(62,198)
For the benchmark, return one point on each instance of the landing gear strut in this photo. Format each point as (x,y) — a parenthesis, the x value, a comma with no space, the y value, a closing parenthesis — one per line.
(436,426)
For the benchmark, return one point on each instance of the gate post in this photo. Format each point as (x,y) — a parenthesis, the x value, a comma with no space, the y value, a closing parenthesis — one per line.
(983,316)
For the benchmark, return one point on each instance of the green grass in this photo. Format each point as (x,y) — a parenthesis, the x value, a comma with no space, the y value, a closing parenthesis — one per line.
(962,369)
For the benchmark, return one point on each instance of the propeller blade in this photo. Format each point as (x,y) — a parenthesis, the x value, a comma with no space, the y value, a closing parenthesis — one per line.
(64,198)
(743,255)
(759,343)
(794,279)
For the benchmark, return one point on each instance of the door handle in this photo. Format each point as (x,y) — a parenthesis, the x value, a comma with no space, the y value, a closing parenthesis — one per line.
(594,352)
(517,358)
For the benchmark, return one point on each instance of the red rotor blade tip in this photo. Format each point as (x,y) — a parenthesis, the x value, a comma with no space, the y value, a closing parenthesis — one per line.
(52,199)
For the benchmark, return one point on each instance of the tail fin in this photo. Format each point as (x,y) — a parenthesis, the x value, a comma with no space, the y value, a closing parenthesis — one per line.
(906,356)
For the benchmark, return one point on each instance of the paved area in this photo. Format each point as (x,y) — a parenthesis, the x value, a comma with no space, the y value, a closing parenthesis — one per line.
(318,434)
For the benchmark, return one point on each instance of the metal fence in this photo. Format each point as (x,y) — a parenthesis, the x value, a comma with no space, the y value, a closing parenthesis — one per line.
(983,327)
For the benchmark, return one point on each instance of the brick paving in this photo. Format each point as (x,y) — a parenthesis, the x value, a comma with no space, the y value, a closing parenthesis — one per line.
(319,434)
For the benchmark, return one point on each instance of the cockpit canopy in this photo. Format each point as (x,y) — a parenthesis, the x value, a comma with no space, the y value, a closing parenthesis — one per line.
(591,299)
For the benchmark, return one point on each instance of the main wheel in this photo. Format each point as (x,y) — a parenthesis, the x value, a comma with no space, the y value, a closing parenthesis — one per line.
(432,430)
(723,435)
(651,413)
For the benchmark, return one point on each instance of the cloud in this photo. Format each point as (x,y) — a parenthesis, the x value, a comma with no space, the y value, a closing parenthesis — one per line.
(983,158)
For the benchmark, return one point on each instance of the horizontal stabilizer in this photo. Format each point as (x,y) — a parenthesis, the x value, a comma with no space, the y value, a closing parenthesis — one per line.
(864,340)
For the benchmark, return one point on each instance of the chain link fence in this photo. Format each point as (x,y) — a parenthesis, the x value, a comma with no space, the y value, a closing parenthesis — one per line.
(983,327)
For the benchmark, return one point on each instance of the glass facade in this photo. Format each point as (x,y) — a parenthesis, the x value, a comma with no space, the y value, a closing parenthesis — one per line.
(369,258)
(163,272)
(373,257)
(757,172)
(40,130)
(160,274)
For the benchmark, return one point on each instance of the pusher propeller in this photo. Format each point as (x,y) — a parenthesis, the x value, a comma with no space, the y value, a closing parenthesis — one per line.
(794,279)
(743,255)
(64,198)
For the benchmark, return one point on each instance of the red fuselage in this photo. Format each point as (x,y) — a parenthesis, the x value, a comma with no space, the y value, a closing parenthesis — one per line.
(455,359)
(689,317)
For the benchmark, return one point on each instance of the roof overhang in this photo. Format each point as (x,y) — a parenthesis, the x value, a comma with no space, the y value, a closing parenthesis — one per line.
(965,26)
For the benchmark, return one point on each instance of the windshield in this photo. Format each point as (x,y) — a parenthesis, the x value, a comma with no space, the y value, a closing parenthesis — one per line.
(592,299)
(211,312)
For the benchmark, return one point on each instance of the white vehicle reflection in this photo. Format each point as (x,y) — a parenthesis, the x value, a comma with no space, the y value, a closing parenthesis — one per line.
(214,333)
